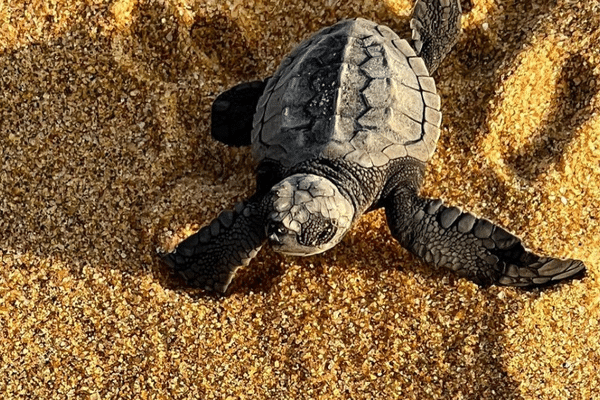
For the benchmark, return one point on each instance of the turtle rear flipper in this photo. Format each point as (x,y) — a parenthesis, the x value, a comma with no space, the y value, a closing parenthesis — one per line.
(474,248)
(210,257)
(233,111)
(435,28)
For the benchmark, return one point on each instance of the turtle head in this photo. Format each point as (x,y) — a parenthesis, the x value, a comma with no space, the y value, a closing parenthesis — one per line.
(309,215)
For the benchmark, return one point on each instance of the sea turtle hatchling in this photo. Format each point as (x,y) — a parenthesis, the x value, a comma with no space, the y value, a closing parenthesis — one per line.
(346,126)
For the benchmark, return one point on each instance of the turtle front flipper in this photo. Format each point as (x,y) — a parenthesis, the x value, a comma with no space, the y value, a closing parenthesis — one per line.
(435,27)
(210,257)
(474,248)
(233,112)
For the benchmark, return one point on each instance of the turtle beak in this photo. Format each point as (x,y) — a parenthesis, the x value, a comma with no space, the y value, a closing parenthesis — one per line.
(276,242)
(272,233)
(274,239)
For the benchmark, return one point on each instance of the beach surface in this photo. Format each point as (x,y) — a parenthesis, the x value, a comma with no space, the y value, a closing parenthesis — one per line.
(107,158)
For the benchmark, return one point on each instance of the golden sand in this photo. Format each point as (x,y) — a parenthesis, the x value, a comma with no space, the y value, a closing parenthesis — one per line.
(106,157)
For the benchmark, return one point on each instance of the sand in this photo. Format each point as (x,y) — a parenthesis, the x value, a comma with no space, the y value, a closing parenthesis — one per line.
(107,157)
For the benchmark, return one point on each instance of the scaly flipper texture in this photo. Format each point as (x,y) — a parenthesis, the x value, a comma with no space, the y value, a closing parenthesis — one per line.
(210,257)
(473,248)
(233,111)
(435,28)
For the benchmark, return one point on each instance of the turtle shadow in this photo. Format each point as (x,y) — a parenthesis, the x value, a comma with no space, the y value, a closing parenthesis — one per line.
(260,276)
(569,110)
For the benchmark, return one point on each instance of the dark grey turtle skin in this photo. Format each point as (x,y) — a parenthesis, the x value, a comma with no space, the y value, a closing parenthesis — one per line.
(345,126)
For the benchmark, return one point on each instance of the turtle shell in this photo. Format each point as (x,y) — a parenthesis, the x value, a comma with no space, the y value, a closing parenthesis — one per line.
(354,91)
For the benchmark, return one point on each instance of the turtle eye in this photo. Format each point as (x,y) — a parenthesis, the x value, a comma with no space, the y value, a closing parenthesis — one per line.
(276,228)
